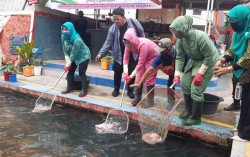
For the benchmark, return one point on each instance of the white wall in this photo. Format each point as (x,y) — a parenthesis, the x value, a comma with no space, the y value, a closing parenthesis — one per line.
(198,19)
(14,5)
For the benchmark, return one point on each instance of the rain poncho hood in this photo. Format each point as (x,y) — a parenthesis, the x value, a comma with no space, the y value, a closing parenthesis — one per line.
(182,24)
(241,15)
(72,32)
(130,35)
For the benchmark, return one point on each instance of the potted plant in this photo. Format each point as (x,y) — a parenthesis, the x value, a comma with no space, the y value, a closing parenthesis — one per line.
(24,52)
(105,62)
(7,70)
(28,70)
(12,76)
(37,63)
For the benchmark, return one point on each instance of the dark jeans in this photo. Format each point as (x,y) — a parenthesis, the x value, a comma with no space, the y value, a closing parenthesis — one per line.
(244,121)
(171,80)
(118,70)
(82,69)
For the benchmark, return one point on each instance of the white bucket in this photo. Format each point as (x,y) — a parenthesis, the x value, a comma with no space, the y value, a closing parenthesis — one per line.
(37,70)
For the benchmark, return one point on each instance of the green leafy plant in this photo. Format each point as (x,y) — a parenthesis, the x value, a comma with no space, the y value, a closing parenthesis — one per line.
(37,62)
(25,51)
(107,58)
(10,68)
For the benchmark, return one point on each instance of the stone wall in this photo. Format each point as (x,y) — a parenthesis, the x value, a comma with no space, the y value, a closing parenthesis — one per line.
(18,25)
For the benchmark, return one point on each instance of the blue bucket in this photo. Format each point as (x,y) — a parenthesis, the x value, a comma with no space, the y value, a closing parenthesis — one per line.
(111,66)
(12,78)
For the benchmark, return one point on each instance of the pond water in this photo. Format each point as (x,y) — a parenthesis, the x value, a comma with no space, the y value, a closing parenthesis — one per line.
(67,131)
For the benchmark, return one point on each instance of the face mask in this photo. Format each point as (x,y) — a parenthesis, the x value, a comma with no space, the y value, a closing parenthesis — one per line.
(235,26)
(179,35)
(65,34)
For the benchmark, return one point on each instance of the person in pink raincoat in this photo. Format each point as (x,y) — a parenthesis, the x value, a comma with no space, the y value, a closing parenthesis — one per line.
(145,49)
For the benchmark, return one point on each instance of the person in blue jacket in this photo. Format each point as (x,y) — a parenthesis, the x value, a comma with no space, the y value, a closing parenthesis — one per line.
(114,41)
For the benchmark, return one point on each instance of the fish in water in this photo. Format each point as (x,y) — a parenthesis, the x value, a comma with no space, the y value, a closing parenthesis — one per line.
(105,128)
(152,138)
(41,108)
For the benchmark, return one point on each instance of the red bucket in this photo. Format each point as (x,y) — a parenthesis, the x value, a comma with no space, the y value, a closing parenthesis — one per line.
(6,76)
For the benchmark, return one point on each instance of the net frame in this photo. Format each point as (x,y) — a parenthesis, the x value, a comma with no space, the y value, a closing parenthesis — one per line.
(155,118)
(46,99)
(118,118)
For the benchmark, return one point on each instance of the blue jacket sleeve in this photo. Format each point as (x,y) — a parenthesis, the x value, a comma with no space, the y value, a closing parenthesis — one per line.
(108,43)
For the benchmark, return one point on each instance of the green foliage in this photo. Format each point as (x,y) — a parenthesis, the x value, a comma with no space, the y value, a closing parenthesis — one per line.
(25,51)
(10,68)
(37,62)
(108,57)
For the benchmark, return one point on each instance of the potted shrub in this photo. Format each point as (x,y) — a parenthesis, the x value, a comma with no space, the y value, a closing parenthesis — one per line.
(28,70)
(37,63)
(12,76)
(105,62)
(24,52)
(7,70)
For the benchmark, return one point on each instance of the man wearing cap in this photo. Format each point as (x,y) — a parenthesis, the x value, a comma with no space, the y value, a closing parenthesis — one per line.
(114,41)
(164,60)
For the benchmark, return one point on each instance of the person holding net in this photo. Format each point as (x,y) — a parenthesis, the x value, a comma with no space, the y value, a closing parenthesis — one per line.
(76,54)
(145,48)
(199,69)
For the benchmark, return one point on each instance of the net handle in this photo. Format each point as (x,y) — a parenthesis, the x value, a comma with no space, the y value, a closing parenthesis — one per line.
(59,79)
(123,93)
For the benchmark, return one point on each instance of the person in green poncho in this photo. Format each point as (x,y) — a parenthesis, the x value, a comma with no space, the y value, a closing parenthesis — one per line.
(199,69)
(76,54)
(239,53)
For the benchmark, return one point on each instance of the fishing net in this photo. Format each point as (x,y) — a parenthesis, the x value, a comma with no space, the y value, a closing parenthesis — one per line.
(46,99)
(155,111)
(117,120)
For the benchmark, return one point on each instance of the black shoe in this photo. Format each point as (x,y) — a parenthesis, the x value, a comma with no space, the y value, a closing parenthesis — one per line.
(131,94)
(115,93)
(233,107)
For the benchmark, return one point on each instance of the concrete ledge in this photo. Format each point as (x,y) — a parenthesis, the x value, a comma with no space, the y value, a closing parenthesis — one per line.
(207,132)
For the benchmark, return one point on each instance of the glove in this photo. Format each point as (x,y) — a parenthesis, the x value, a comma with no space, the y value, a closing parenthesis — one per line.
(128,79)
(125,76)
(176,80)
(66,69)
(197,79)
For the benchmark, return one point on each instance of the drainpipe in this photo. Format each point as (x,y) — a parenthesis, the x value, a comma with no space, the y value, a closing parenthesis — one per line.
(210,16)
(208,4)
(25,3)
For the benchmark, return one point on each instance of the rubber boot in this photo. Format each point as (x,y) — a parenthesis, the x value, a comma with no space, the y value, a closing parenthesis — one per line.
(130,93)
(150,96)
(235,106)
(196,114)
(84,90)
(69,89)
(138,94)
(116,92)
(188,107)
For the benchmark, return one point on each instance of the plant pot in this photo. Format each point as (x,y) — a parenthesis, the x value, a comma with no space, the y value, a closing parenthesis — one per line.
(6,76)
(111,66)
(104,65)
(37,70)
(28,71)
(12,78)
